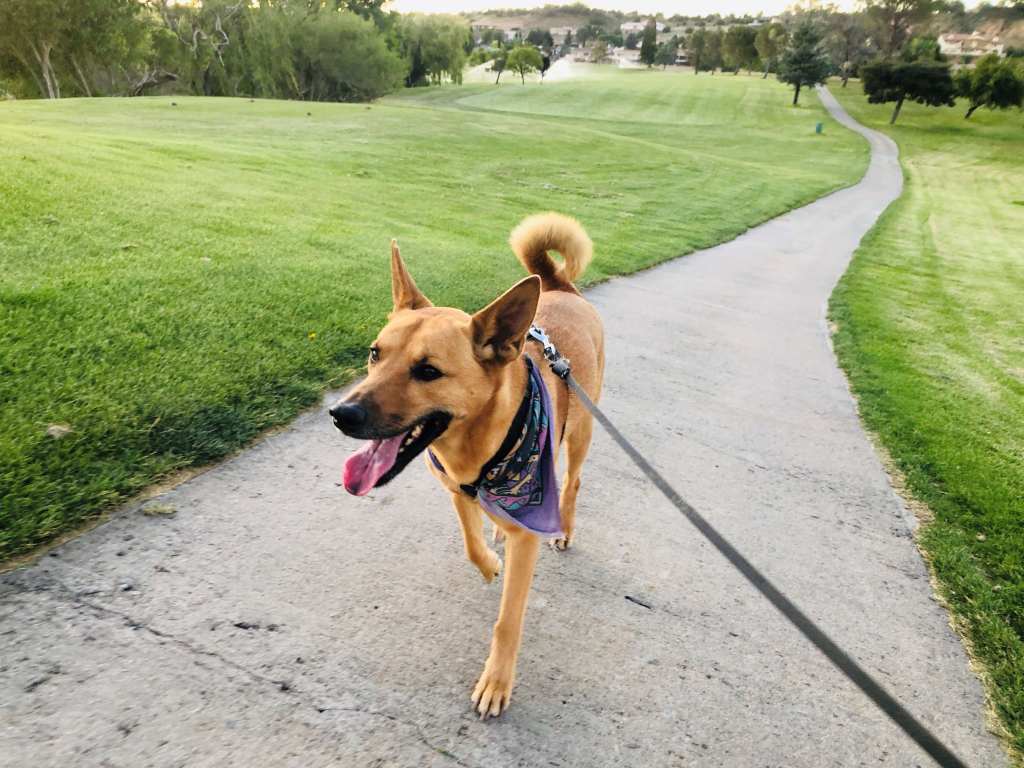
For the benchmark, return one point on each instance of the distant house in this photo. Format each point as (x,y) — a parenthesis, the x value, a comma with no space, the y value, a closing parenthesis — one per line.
(967,47)
(513,33)
(637,27)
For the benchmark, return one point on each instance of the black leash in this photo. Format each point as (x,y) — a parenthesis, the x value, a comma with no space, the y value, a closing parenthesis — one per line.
(840,658)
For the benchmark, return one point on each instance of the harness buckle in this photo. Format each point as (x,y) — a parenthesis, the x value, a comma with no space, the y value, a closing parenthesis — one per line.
(559,365)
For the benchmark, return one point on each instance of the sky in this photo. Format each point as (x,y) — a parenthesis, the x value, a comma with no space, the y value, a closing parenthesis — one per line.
(668,7)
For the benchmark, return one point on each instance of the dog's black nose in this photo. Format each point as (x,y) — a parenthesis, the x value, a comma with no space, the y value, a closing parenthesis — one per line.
(348,417)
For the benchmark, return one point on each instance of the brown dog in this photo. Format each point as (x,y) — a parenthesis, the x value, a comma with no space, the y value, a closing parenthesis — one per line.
(456,382)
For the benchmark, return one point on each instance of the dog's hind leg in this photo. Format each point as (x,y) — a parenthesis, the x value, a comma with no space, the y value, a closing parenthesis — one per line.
(494,689)
(471,521)
(577,443)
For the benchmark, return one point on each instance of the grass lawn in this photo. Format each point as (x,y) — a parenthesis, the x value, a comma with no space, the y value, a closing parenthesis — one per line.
(931,333)
(176,278)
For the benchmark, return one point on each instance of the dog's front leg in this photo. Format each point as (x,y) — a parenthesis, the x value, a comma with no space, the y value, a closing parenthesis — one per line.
(471,520)
(494,689)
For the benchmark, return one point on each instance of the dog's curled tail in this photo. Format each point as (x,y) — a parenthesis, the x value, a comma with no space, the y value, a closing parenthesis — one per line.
(543,232)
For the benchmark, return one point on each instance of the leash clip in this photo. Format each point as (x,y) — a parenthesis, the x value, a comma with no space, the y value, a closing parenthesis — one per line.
(559,365)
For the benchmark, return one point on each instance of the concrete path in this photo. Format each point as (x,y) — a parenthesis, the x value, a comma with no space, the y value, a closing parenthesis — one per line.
(275,620)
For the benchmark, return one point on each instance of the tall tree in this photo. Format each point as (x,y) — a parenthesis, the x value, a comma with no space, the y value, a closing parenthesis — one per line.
(893,19)
(738,48)
(804,62)
(713,51)
(437,41)
(31,31)
(770,42)
(847,43)
(649,44)
(992,82)
(926,82)
(696,46)
(205,33)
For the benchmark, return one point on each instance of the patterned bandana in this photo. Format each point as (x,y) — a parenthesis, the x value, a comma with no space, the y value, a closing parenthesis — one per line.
(518,484)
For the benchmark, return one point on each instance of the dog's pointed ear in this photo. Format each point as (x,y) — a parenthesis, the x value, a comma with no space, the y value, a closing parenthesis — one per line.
(499,329)
(404,293)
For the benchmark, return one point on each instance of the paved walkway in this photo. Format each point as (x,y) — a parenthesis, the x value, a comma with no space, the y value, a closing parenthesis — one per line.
(275,620)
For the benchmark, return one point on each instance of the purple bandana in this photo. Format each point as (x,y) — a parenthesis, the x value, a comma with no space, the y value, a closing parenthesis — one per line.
(518,484)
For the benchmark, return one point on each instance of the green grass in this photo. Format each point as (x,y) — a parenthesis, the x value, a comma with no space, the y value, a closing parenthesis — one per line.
(931,333)
(175,279)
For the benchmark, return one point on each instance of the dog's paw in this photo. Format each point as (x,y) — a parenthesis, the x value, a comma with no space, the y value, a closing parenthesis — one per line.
(494,689)
(561,544)
(489,565)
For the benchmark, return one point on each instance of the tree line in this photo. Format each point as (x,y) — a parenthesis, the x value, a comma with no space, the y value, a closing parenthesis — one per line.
(888,43)
(337,50)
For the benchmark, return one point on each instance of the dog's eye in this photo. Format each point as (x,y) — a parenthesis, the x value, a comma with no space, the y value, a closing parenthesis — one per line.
(374,354)
(425,372)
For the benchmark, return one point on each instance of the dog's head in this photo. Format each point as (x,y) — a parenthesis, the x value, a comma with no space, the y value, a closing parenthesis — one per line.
(429,367)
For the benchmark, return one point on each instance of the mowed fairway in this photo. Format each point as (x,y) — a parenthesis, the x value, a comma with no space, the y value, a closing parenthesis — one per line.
(931,333)
(175,278)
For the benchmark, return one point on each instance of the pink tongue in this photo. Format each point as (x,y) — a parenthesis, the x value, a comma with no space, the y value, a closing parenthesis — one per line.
(369,464)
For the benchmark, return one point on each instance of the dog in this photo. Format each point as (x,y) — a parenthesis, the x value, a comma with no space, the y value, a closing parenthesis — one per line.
(471,391)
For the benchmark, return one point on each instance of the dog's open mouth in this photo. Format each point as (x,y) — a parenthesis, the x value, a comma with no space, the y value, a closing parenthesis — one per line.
(378,461)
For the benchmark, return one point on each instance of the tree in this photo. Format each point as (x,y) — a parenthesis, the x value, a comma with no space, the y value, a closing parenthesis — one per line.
(738,48)
(631,41)
(696,46)
(586,33)
(541,38)
(666,54)
(103,36)
(599,53)
(804,62)
(649,45)
(523,60)
(892,20)
(926,82)
(342,57)
(62,46)
(713,51)
(847,43)
(993,82)
(770,42)
(567,43)
(437,43)
(30,30)
(499,64)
